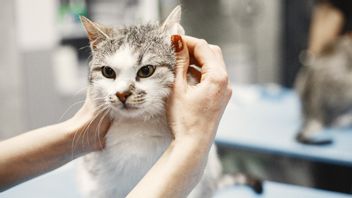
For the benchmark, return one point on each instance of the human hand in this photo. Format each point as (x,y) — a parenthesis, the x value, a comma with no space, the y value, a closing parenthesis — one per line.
(194,111)
(88,128)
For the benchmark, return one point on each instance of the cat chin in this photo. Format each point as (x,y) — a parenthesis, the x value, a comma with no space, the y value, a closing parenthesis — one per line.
(134,113)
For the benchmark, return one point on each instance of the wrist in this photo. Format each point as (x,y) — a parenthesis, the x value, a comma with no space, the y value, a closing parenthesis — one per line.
(197,143)
(199,134)
(191,155)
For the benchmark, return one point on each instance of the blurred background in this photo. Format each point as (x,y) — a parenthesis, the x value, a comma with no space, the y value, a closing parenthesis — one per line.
(44,63)
(44,47)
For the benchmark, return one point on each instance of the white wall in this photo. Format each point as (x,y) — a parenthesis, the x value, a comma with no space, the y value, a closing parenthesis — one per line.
(36,24)
(11,95)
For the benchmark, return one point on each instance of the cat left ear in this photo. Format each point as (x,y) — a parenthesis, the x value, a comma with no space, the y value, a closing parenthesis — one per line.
(96,33)
(172,25)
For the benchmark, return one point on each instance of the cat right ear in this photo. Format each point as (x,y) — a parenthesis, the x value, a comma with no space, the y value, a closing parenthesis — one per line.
(172,24)
(96,33)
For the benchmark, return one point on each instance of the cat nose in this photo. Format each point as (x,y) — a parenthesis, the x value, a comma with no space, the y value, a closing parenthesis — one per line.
(123,95)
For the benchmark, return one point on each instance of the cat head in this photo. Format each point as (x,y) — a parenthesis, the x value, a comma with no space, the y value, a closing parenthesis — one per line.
(132,68)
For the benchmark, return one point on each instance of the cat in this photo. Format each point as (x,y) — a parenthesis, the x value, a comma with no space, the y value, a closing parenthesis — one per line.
(325,90)
(131,74)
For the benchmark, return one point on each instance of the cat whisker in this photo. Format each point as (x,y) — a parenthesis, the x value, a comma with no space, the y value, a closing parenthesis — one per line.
(87,127)
(79,91)
(100,108)
(69,108)
(98,126)
(138,100)
(79,136)
(84,47)
(90,56)
(74,104)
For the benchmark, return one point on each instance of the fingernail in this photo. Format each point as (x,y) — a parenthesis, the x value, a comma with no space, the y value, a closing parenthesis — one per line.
(177,43)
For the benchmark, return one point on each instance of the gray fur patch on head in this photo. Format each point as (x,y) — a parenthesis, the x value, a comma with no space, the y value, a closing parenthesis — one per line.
(127,50)
(148,38)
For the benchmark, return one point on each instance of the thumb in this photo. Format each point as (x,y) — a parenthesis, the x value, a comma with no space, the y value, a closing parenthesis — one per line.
(182,59)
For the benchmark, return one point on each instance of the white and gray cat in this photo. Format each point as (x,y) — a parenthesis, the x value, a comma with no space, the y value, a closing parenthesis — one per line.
(325,90)
(131,72)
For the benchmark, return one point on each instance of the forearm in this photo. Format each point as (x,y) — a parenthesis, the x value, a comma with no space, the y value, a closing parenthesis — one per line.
(177,171)
(34,153)
(327,22)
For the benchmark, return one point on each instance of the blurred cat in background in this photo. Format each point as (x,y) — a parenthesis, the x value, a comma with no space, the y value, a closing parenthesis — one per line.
(131,72)
(325,89)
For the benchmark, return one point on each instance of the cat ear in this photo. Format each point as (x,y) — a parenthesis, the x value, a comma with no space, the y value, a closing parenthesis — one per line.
(172,25)
(96,33)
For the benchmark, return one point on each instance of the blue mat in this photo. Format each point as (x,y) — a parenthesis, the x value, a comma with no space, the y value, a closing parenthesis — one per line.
(61,183)
(266,119)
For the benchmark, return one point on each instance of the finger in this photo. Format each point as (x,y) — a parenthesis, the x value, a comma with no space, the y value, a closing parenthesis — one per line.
(200,50)
(210,58)
(217,51)
(193,61)
(182,59)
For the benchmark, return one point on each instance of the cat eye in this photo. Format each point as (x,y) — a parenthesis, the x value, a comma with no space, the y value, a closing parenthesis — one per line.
(108,72)
(146,71)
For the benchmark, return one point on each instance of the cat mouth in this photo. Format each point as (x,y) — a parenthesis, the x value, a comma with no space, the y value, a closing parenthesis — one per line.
(128,107)
(124,107)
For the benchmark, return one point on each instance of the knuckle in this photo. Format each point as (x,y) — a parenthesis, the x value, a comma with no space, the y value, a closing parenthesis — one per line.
(202,42)
(224,81)
(217,49)
(221,79)
(224,77)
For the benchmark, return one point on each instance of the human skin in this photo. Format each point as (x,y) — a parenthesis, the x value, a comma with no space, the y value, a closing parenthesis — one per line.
(41,150)
(194,112)
(327,22)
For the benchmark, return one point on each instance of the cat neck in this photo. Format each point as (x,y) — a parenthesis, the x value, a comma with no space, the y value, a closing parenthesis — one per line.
(155,119)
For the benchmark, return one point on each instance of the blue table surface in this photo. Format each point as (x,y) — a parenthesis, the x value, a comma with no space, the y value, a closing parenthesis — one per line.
(267,119)
(61,183)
